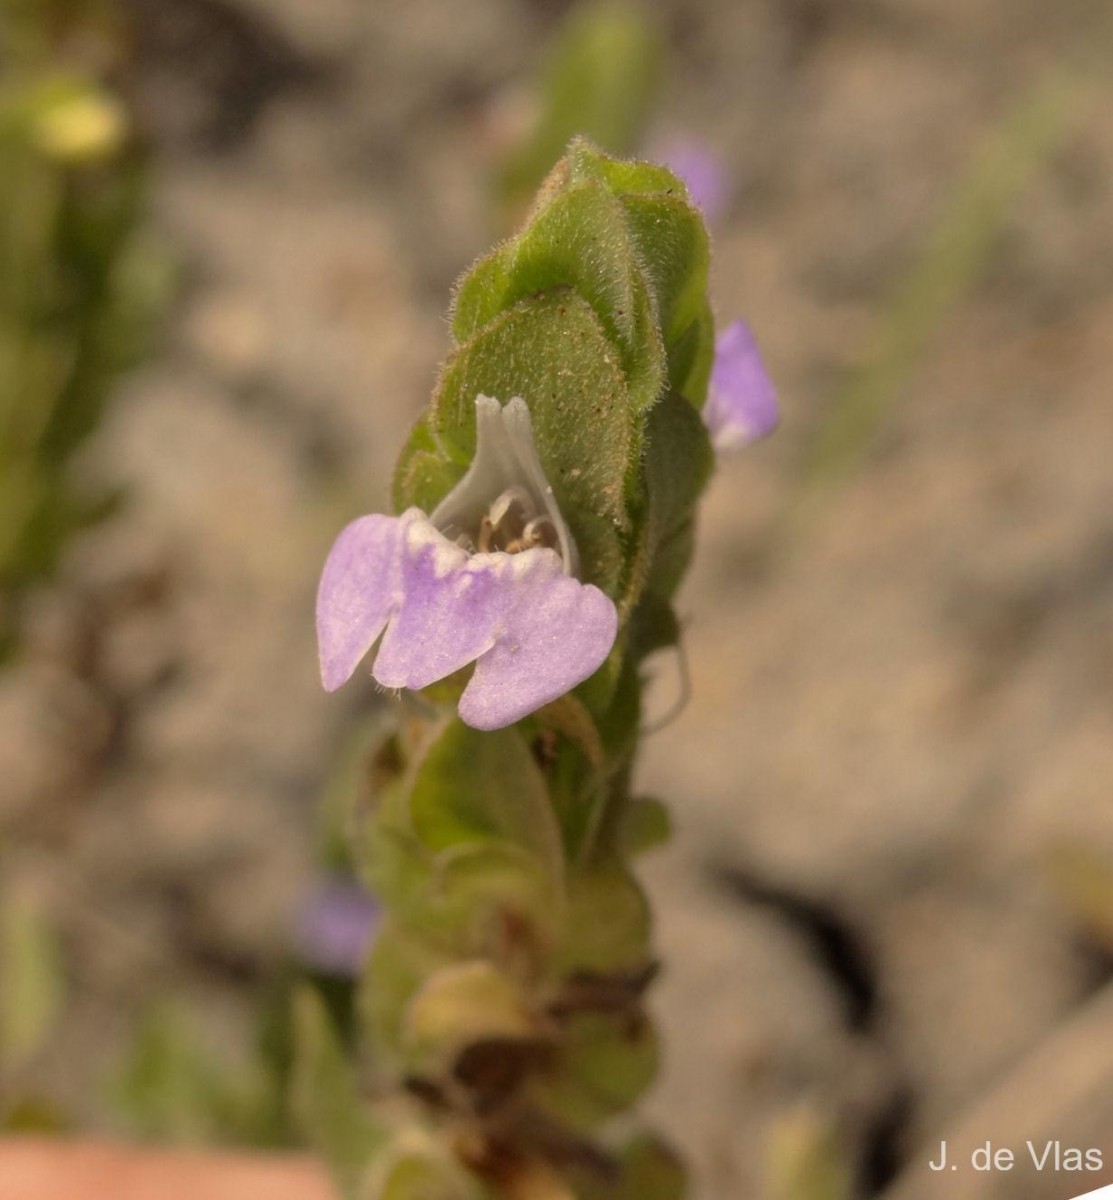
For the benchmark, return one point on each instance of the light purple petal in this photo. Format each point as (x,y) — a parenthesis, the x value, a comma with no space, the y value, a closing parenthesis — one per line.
(741,400)
(702,172)
(360,588)
(335,927)
(558,632)
(452,607)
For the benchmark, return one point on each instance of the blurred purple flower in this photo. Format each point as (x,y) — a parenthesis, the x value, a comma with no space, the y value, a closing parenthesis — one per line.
(487,578)
(702,171)
(335,927)
(741,400)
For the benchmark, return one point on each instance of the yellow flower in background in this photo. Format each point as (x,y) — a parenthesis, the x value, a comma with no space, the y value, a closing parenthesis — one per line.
(82,124)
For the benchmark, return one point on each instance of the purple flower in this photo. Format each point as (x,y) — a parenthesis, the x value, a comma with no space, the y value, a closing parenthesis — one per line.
(702,173)
(487,577)
(741,400)
(335,927)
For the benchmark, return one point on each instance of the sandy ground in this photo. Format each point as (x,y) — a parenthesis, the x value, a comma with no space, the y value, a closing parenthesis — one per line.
(892,724)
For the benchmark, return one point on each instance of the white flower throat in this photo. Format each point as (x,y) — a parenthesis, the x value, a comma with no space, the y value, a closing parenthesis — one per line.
(504,502)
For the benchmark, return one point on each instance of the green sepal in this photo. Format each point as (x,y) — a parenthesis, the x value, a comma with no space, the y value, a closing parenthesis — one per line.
(607,928)
(398,965)
(492,899)
(605,1064)
(326,1098)
(487,867)
(479,890)
(462,1003)
(393,863)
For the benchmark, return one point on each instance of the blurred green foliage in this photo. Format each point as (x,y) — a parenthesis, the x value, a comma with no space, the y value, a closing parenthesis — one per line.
(80,282)
(177,1085)
(180,1083)
(600,79)
(805,1160)
(34,982)
(954,258)
(325,1093)
(33,990)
